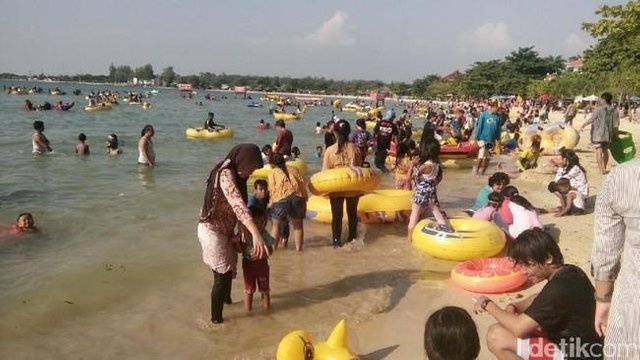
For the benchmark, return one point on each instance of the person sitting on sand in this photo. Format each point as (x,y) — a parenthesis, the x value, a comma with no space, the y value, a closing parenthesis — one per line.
(572,201)
(496,182)
(528,159)
(524,215)
(39,142)
(511,145)
(497,210)
(210,125)
(451,334)
(571,169)
(24,223)
(557,322)
(113,145)
(82,148)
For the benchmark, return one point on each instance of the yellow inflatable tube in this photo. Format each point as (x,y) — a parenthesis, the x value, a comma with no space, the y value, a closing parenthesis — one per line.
(380,206)
(344,179)
(298,345)
(264,171)
(471,239)
(200,133)
(286,116)
(554,136)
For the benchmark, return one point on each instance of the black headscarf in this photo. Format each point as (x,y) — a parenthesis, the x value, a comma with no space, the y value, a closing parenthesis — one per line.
(244,158)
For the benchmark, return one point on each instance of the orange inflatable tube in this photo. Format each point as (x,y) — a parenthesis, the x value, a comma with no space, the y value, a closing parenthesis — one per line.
(488,276)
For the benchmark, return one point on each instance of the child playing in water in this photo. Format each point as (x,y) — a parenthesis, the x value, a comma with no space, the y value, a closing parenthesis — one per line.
(24,223)
(113,145)
(403,167)
(572,201)
(256,271)
(82,148)
(318,151)
(295,152)
(267,150)
(260,198)
(318,128)
(427,175)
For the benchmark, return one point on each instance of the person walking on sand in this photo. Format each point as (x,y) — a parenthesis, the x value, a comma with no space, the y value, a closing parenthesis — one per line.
(487,134)
(223,207)
(617,230)
(604,129)
(145,147)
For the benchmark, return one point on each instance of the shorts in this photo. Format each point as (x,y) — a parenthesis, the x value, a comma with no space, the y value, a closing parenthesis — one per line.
(255,272)
(576,210)
(292,206)
(485,150)
(538,348)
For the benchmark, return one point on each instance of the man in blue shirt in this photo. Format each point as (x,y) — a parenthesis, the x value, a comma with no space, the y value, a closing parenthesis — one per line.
(487,134)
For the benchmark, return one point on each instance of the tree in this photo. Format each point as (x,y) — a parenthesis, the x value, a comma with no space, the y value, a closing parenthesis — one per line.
(618,46)
(168,76)
(145,72)
(419,86)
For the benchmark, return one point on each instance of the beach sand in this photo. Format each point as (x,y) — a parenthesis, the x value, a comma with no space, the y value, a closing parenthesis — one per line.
(398,334)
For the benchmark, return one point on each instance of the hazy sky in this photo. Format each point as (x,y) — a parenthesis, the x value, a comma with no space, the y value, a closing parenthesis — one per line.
(359,39)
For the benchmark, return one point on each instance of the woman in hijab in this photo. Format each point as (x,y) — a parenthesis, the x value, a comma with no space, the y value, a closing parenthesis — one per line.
(224,205)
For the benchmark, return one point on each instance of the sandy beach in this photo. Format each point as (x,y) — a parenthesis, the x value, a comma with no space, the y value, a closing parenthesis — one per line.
(398,333)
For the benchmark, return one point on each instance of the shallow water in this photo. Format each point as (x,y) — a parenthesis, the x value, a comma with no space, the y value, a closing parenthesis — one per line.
(117,272)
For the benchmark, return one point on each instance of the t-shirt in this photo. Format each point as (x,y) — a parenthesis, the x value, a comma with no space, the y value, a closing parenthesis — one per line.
(284,141)
(565,311)
(350,155)
(523,219)
(488,127)
(482,199)
(281,186)
(268,239)
(254,201)
(384,132)
(360,138)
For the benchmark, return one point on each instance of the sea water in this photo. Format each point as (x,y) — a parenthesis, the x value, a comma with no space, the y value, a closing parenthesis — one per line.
(116,270)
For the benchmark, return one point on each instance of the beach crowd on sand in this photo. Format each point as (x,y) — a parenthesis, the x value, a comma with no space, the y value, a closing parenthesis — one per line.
(568,319)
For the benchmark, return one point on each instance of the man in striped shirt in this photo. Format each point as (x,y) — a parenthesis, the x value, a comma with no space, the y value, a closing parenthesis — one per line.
(616,222)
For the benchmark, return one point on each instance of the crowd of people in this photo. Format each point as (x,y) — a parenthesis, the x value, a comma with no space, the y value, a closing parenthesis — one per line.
(567,309)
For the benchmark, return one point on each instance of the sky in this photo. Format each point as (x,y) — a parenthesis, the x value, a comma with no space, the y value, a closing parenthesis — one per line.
(399,40)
